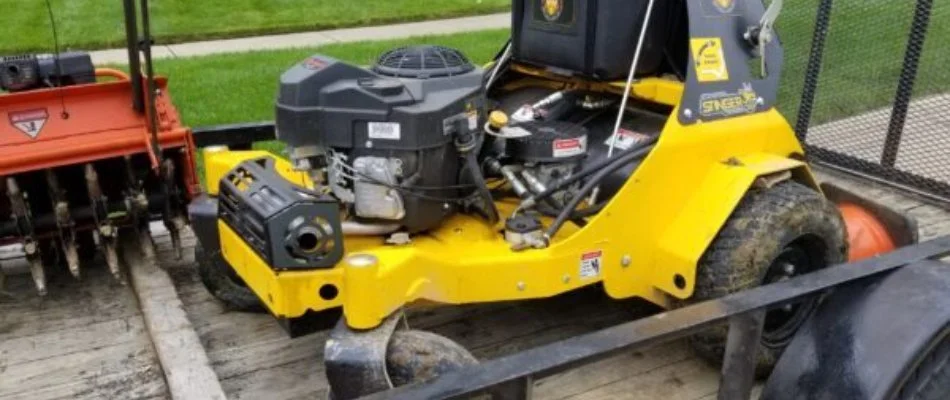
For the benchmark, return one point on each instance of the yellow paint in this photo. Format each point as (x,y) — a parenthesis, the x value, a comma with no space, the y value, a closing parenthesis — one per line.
(219,162)
(663,219)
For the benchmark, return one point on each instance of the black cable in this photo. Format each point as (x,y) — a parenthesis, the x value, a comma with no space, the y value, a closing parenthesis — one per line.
(59,67)
(483,191)
(593,182)
(594,168)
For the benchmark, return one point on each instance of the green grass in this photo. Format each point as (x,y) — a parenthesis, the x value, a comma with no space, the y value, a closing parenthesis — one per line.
(91,24)
(859,71)
(242,87)
(863,55)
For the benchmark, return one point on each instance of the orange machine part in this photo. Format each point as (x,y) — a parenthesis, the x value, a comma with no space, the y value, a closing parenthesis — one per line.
(867,236)
(98,123)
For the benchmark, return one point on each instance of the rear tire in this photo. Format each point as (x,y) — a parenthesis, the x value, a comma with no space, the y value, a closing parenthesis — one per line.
(223,283)
(931,379)
(774,234)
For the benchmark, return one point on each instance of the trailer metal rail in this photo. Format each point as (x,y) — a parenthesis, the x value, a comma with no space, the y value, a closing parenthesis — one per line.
(512,377)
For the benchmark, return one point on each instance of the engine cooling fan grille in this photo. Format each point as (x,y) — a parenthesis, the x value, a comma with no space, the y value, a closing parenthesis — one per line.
(422,62)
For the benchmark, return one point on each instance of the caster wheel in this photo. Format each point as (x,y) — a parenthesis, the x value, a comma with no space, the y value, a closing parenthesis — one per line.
(223,283)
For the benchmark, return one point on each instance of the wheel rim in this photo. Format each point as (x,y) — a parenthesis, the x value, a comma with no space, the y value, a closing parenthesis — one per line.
(782,322)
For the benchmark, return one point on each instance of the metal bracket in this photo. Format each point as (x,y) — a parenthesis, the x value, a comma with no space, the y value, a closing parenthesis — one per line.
(762,34)
(356,360)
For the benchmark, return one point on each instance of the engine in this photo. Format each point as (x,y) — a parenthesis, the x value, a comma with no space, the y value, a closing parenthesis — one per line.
(388,142)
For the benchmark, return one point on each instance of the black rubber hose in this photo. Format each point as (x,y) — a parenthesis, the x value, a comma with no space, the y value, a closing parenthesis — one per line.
(593,182)
(594,168)
(484,192)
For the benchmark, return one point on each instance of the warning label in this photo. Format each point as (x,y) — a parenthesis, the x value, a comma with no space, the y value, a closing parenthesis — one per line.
(710,61)
(570,147)
(590,264)
(30,122)
(625,139)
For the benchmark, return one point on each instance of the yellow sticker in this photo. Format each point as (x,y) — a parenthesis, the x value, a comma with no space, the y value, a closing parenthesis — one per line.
(710,59)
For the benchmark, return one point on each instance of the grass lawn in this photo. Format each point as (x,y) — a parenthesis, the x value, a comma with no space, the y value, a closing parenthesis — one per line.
(856,77)
(242,87)
(91,24)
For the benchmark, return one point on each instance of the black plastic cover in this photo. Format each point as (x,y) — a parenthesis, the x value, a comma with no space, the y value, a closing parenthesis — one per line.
(596,38)
(289,226)
(327,103)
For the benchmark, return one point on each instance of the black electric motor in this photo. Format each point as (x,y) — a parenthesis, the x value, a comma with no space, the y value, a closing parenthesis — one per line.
(29,72)
(387,142)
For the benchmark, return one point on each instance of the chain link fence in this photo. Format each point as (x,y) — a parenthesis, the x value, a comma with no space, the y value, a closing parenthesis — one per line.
(867,86)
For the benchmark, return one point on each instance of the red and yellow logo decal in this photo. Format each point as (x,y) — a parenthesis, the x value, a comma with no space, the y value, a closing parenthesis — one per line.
(552,9)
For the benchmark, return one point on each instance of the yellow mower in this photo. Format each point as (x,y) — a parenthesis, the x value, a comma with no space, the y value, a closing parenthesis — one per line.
(633,145)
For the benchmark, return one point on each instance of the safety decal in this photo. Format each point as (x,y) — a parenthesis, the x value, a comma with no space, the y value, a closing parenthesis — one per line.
(30,122)
(625,139)
(709,60)
(385,130)
(727,103)
(590,264)
(570,147)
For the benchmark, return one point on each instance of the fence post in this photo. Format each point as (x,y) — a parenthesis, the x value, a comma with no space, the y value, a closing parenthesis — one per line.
(813,70)
(905,86)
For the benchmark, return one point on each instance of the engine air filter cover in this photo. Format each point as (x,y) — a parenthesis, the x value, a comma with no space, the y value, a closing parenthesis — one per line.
(549,141)
(422,62)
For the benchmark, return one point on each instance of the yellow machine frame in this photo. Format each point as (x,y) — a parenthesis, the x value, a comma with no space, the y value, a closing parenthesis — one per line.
(647,241)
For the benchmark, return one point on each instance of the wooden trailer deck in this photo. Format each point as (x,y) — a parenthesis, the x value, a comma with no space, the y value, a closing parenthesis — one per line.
(91,340)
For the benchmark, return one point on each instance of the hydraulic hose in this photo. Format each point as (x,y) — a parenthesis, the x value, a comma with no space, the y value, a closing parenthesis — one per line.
(617,163)
(484,192)
(591,169)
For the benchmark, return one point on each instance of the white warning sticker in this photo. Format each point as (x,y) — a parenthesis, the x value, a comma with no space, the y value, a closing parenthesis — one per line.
(625,139)
(570,147)
(590,264)
(385,130)
(30,122)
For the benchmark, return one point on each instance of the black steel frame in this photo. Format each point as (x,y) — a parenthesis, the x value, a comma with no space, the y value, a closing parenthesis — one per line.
(885,170)
(512,377)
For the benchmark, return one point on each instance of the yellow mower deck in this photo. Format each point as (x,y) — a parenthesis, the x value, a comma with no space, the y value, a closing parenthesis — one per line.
(646,242)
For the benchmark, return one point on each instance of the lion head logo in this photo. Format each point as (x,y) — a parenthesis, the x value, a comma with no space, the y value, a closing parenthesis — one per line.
(552,9)
(725,6)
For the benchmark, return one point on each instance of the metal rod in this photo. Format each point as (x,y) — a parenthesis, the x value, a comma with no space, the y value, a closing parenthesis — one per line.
(661,328)
(813,71)
(630,75)
(132,45)
(738,364)
(626,92)
(150,77)
(905,86)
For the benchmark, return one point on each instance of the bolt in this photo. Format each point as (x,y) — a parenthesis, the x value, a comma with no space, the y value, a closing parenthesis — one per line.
(787,308)
(521,286)
(566,278)
(759,101)
(446,206)
(688,113)
(369,144)
(788,269)
(106,230)
(29,248)
(625,260)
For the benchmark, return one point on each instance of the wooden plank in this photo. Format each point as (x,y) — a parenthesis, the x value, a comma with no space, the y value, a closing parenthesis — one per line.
(124,370)
(84,340)
(186,367)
